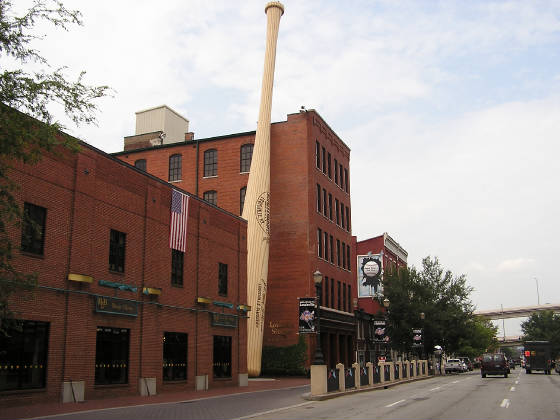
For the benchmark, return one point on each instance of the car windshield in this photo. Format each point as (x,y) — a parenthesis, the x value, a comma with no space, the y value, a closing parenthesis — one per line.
(493,357)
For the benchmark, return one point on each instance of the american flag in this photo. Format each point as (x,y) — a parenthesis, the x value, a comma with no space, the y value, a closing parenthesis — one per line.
(179,216)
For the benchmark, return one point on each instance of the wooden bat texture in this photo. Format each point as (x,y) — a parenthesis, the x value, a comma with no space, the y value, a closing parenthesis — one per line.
(257,201)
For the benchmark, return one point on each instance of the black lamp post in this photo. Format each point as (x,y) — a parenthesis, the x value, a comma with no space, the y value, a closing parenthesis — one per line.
(386,302)
(318,279)
(422,317)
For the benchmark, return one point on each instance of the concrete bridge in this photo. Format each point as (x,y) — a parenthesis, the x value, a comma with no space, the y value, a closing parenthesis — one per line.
(517,312)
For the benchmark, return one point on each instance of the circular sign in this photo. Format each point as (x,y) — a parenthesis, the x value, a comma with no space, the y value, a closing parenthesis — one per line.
(371,269)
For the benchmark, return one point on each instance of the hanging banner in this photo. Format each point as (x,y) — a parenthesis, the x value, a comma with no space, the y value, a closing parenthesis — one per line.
(370,275)
(306,315)
(417,337)
(380,331)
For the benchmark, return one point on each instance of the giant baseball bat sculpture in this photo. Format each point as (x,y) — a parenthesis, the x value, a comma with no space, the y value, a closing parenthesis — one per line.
(257,201)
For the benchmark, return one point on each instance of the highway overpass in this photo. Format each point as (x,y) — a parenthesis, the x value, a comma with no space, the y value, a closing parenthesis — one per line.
(517,312)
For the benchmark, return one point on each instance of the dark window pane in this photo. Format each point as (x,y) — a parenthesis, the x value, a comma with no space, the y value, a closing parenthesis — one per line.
(325,208)
(117,251)
(344,297)
(242,193)
(329,165)
(347,219)
(23,356)
(336,172)
(246,156)
(331,248)
(211,197)
(338,252)
(330,206)
(318,154)
(324,156)
(141,164)
(175,347)
(346,180)
(177,258)
(211,162)
(222,357)
(319,243)
(33,231)
(222,279)
(326,246)
(175,168)
(337,211)
(318,198)
(111,355)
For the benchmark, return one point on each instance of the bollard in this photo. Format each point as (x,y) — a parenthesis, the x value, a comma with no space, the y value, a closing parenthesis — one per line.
(357,375)
(341,377)
(318,379)
(370,369)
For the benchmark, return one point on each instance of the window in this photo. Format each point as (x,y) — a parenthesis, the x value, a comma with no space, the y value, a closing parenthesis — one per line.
(344,297)
(211,197)
(336,172)
(338,295)
(117,246)
(141,164)
(222,279)
(330,206)
(211,162)
(331,248)
(318,198)
(246,156)
(318,154)
(329,172)
(347,219)
(222,356)
(324,156)
(342,215)
(33,231)
(337,211)
(326,293)
(346,180)
(343,255)
(242,193)
(177,258)
(338,252)
(111,356)
(348,257)
(175,168)
(175,347)
(341,176)
(326,246)
(319,243)
(349,298)
(325,202)
(24,356)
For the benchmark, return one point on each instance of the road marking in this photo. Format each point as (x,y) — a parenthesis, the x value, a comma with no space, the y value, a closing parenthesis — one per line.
(516,382)
(505,403)
(512,389)
(395,403)
(454,382)
(436,388)
(275,410)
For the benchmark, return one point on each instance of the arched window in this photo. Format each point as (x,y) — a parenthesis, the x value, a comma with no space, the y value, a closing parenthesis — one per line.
(211,162)
(242,193)
(140,164)
(246,156)
(211,197)
(175,168)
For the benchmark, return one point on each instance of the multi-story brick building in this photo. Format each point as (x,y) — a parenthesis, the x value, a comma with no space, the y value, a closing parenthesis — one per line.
(371,311)
(310,218)
(116,311)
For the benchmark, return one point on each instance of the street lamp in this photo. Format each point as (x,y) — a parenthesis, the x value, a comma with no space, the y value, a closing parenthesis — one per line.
(422,317)
(386,302)
(318,279)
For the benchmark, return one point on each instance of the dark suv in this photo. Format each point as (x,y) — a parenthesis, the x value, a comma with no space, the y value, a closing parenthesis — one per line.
(494,364)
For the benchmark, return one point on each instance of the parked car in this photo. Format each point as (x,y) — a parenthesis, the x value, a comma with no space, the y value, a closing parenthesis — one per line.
(494,364)
(467,362)
(454,365)
(557,367)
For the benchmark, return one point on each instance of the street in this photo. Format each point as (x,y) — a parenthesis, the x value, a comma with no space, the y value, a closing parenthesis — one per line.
(457,396)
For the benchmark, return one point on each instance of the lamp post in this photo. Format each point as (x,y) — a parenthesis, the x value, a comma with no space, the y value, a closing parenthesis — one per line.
(422,317)
(318,279)
(386,302)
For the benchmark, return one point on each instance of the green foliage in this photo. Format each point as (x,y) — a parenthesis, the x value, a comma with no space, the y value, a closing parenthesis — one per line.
(288,360)
(543,326)
(443,298)
(28,127)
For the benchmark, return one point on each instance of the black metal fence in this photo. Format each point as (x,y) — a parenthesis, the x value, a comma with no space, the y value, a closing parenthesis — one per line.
(396,370)
(332,380)
(364,376)
(411,369)
(387,372)
(349,378)
(404,371)
(377,375)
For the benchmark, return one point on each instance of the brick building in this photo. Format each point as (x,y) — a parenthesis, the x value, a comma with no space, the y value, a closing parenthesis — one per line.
(116,311)
(371,311)
(310,219)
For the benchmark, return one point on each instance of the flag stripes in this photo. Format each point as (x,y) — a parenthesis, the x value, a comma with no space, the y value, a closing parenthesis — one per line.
(179,217)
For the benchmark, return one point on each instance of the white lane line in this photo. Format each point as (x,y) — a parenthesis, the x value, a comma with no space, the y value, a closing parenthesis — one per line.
(505,403)
(275,410)
(395,403)
(454,382)
(516,382)
(512,389)
(436,388)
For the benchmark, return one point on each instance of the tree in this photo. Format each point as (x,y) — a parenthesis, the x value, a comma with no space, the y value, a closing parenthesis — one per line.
(543,326)
(443,298)
(29,128)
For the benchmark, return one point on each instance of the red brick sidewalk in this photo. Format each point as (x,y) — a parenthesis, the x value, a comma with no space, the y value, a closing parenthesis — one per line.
(41,410)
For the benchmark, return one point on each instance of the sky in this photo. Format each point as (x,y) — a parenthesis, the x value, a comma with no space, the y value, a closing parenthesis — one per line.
(451,110)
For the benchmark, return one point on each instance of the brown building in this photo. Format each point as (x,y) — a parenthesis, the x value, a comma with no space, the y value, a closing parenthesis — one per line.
(310,215)
(116,311)
(371,311)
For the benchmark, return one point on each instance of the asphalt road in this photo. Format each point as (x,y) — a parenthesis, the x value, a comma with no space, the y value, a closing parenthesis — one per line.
(459,396)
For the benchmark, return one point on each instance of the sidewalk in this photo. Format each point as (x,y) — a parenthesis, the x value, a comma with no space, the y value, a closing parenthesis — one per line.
(49,409)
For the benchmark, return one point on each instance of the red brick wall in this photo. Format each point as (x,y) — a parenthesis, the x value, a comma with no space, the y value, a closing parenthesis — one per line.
(86,195)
